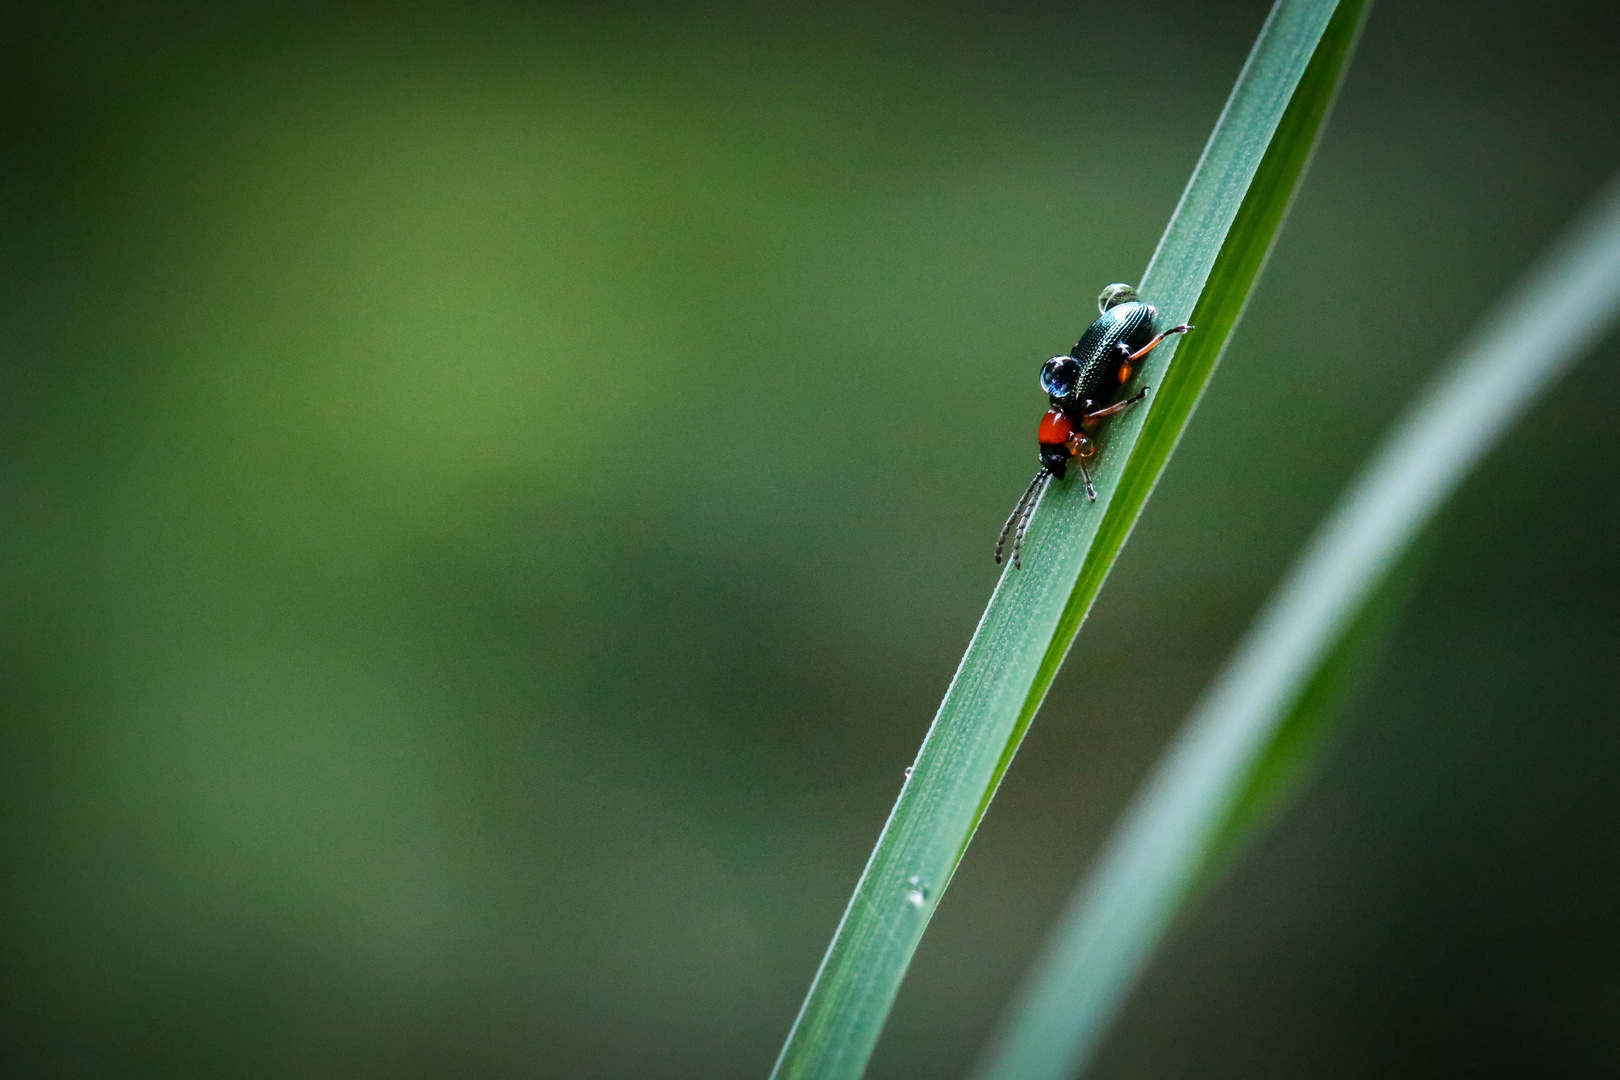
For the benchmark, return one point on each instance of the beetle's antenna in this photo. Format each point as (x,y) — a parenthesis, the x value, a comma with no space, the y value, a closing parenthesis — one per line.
(1020,516)
(1023,523)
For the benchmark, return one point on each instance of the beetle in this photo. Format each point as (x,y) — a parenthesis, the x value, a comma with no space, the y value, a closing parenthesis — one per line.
(1079,387)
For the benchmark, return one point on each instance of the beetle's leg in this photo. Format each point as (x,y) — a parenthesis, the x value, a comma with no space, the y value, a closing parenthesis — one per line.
(1117,407)
(1080,448)
(1123,373)
(1154,344)
(1085,474)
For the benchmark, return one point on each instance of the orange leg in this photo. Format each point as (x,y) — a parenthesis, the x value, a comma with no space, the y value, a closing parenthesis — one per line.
(1154,344)
(1128,359)
(1117,407)
(1080,448)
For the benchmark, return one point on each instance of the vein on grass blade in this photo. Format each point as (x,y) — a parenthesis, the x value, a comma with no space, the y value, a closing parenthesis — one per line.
(1180,818)
(1034,613)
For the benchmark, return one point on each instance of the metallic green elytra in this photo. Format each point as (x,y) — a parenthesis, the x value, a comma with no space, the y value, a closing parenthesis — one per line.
(1080,388)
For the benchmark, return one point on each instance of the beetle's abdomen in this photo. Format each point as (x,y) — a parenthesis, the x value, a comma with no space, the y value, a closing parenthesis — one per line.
(1130,322)
(1099,354)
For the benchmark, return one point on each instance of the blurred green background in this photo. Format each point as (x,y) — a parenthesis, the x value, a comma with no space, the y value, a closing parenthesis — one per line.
(491,496)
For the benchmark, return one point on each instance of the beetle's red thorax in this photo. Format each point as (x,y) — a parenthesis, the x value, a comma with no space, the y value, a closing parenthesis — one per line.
(1055,428)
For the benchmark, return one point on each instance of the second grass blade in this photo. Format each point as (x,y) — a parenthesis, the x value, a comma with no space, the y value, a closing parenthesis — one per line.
(1219,235)
(1225,764)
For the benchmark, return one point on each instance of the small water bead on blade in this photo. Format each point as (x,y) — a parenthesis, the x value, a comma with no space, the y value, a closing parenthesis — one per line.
(1078,388)
(1117,293)
(916,891)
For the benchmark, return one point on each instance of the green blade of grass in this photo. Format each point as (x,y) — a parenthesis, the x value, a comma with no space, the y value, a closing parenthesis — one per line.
(1230,758)
(1202,272)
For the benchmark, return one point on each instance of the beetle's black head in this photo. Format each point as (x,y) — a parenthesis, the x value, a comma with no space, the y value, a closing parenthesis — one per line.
(1060,375)
(1055,458)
